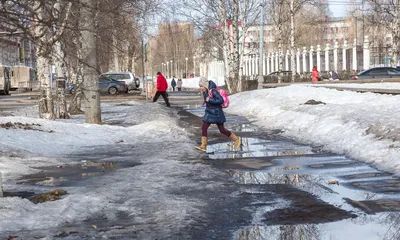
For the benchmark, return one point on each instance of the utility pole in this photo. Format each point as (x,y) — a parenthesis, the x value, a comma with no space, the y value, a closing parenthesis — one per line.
(362,19)
(186,75)
(143,67)
(261,58)
(292,61)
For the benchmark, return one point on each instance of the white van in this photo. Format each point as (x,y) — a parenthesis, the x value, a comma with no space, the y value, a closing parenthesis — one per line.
(131,81)
(5,84)
(22,77)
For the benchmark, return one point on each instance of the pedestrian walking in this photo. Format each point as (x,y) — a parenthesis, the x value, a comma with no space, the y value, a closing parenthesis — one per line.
(333,76)
(179,84)
(161,89)
(173,84)
(315,74)
(213,114)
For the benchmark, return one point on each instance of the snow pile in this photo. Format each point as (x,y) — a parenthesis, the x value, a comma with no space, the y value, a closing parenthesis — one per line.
(363,126)
(147,134)
(64,136)
(364,85)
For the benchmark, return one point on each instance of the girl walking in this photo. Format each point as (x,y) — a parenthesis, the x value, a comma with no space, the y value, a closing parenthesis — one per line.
(213,114)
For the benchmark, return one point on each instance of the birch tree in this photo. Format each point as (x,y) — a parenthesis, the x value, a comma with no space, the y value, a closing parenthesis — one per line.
(386,13)
(232,19)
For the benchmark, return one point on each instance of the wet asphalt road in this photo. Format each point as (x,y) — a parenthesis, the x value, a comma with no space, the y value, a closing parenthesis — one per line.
(273,188)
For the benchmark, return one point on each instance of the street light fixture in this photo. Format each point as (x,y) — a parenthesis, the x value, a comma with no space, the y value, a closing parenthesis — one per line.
(186,68)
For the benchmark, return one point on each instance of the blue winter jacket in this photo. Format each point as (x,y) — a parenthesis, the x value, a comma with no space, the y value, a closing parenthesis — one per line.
(213,113)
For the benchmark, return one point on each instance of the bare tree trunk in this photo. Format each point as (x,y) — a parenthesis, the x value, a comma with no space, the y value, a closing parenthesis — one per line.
(236,80)
(292,61)
(45,38)
(75,106)
(90,81)
(46,109)
(280,39)
(131,51)
(225,41)
(61,104)
(396,34)
(43,51)
(115,55)
(244,30)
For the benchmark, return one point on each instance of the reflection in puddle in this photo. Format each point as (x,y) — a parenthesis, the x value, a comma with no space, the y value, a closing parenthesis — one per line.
(288,232)
(255,147)
(382,185)
(366,175)
(311,183)
(245,128)
(336,164)
(385,226)
(374,206)
(64,174)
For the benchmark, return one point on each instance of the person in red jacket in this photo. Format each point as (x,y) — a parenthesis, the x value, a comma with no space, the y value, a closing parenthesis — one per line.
(161,89)
(315,74)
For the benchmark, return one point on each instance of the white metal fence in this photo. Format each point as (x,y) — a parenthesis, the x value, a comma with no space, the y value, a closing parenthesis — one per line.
(343,57)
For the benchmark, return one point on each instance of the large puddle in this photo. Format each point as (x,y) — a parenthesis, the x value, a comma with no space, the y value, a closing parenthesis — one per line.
(69,174)
(329,196)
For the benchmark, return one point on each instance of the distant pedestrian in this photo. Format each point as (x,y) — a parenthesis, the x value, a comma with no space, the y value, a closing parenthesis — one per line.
(213,114)
(173,84)
(334,76)
(315,74)
(161,89)
(179,84)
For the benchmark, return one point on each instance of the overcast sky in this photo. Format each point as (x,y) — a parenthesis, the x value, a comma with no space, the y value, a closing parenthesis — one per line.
(337,9)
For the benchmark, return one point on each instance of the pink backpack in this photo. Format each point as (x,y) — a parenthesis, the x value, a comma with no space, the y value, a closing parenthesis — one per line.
(223,94)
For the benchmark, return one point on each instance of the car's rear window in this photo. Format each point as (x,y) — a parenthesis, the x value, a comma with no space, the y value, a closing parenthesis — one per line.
(118,76)
(394,71)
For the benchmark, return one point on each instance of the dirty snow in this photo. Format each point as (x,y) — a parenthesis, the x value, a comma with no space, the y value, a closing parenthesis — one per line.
(148,129)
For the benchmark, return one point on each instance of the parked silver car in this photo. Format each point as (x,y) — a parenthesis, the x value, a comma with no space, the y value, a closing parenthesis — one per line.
(131,81)
(106,85)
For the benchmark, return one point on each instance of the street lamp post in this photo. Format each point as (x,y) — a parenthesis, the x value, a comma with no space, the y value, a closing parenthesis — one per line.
(186,68)
(194,66)
(261,59)
(171,69)
(167,69)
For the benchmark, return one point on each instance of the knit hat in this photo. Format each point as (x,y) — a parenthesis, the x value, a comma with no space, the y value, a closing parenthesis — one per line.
(203,82)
